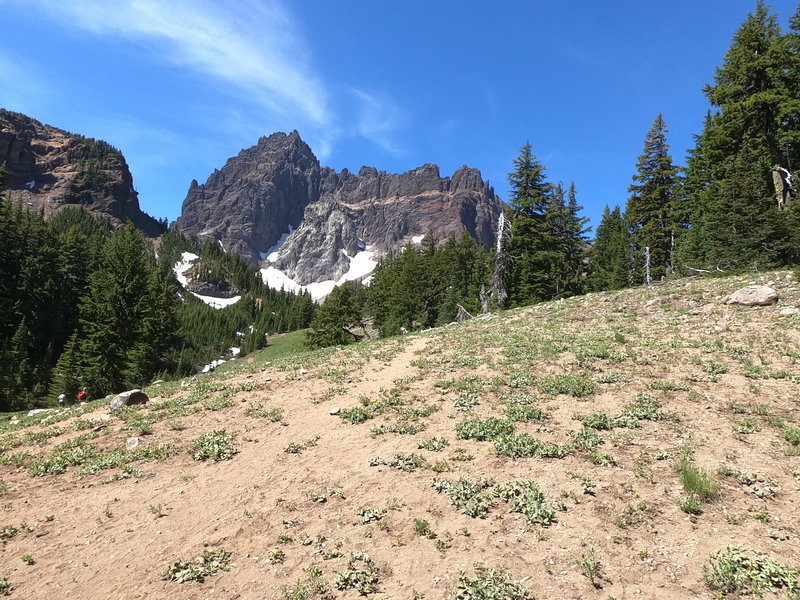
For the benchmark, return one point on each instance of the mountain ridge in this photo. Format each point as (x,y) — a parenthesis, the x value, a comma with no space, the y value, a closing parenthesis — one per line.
(278,187)
(48,168)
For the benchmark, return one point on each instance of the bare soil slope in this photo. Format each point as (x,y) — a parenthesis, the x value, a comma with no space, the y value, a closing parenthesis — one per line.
(600,401)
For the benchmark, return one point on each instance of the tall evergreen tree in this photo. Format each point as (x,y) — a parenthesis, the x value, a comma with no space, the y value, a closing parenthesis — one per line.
(334,321)
(754,127)
(610,256)
(531,194)
(117,316)
(652,211)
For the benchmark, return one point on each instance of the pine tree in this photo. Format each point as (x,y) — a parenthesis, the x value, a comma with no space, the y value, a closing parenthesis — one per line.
(651,211)
(755,127)
(610,257)
(531,194)
(66,377)
(116,316)
(334,321)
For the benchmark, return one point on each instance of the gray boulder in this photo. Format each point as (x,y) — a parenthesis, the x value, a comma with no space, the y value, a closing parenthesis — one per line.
(753,295)
(129,398)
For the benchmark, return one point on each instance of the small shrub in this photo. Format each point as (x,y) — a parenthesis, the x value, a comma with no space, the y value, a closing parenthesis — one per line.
(592,569)
(197,569)
(524,446)
(526,498)
(435,444)
(470,497)
(634,514)
(644,407)
(731,572)
(276,556)
(490,584)
(361,575)
(571,385)
(669,386)
(691,505)
(792,435)
(5,586)
(216,446)
(407,462)
(746,426)
(423,529)
(355,415)
(524,414)
(483,430)
(602,459)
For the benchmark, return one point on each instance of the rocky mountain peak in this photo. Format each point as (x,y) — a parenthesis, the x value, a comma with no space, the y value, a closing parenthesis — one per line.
(277,191)
(48,168)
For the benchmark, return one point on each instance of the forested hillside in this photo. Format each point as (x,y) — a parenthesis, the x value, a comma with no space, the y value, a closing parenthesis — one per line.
(82,305)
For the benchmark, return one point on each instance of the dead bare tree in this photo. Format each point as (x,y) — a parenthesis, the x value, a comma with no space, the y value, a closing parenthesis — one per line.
(502,261)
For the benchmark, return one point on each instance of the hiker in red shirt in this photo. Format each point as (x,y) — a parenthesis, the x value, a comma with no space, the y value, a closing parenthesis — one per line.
(83,395)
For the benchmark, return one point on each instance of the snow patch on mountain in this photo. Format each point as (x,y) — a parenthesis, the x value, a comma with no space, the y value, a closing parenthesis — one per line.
(361,265)
(272,254)
(187,258)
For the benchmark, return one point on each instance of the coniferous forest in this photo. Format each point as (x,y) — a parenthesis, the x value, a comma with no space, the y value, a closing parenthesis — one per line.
(83,304)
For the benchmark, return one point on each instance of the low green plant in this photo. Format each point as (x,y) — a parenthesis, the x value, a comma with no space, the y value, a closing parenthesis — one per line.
(792,435)
(602,459)
(691,505)
(200,567)
(634,514)
(361,575)
(610,377)
(644,407)
(592,568)
(526,498)
(423,529)
(314,586)
(490,584)
(28,559)
(355,415)
(5,586)
(470,497)
(215,445)
(730,571)
(276,556)
(746,426)
(483,430)
(697,482)
(368,515)
(407,462)
(571,385)
(435,444)
(524,446)
(669,386)
(525,414)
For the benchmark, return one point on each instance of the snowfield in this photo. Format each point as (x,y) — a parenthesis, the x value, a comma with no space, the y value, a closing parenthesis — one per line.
(187,258)
(362,264)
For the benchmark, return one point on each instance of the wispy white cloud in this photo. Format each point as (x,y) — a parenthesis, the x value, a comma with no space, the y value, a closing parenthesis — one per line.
(250,48)
(250,44)
(377,119)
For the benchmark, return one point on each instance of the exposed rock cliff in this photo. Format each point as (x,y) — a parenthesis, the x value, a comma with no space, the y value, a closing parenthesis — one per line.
(278,186)
(48,168)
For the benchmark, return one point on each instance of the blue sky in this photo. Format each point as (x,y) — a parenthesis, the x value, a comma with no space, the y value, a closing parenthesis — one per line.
(181,86)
